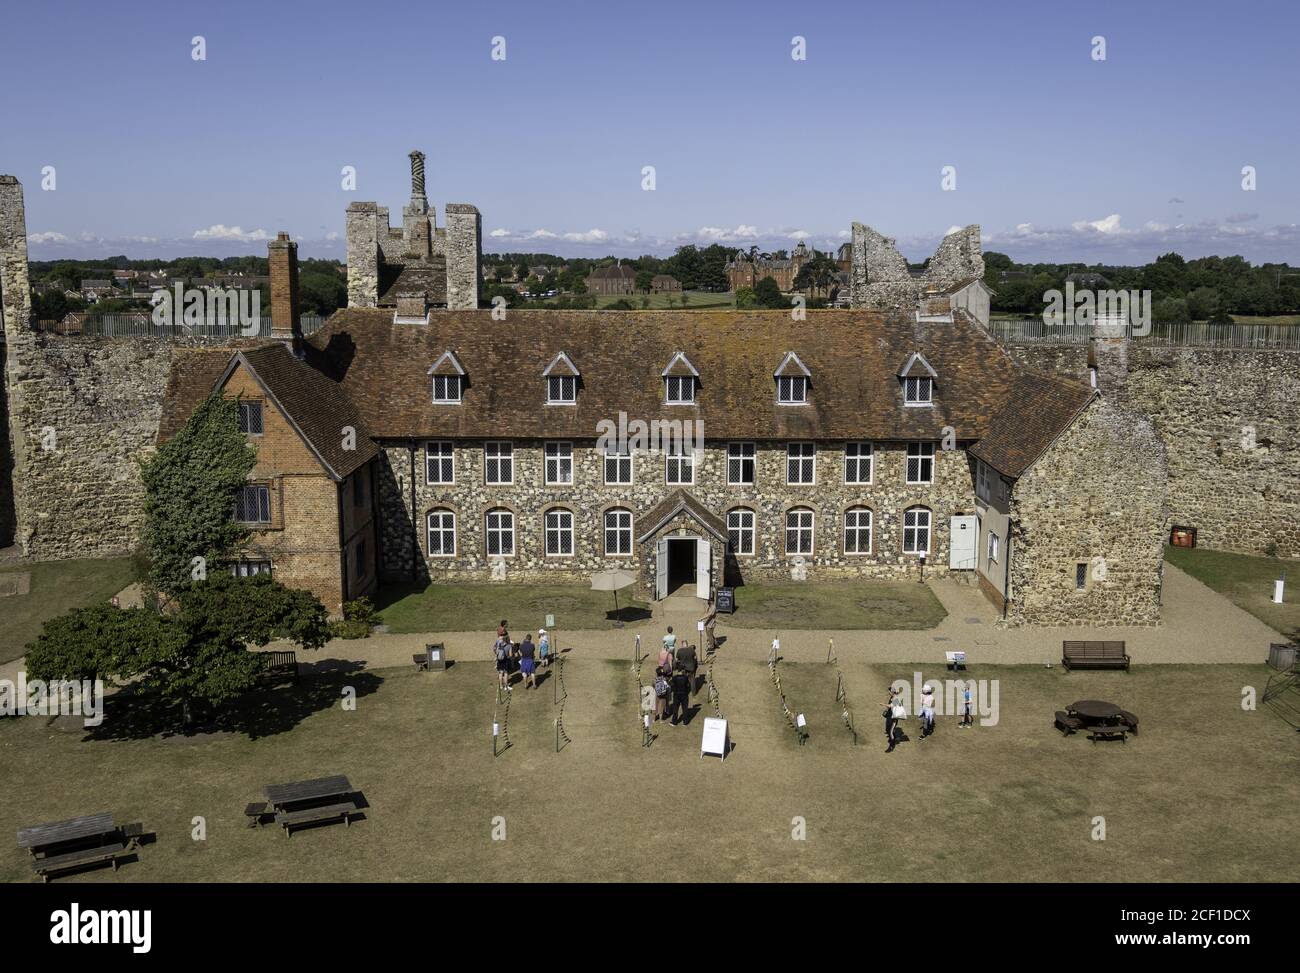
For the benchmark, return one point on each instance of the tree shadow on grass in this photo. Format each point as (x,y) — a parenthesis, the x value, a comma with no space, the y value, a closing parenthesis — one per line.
(130,714)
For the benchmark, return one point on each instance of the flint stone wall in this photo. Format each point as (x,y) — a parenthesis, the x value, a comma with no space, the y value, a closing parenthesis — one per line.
(1098,497)
(588,498)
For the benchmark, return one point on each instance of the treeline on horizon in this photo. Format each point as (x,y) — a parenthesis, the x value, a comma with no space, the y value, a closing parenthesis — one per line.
(1204,289)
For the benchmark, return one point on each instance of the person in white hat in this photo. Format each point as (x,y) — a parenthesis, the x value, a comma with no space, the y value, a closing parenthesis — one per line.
(544,648)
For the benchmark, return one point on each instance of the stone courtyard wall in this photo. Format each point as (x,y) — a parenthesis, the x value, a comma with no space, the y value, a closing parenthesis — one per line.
(1230,422)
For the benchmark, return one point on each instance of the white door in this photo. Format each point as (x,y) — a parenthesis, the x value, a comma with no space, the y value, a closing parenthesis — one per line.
(661,569)
(703,568)
(963,543)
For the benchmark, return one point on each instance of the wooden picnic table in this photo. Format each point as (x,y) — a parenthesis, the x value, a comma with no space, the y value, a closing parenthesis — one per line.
(302,792)
(37,838)
(1095,711)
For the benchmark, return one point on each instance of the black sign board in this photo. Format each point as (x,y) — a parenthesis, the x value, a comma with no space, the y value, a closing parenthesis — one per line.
(726,600)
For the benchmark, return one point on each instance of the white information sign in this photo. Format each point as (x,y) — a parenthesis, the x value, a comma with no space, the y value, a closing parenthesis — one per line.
(715,740)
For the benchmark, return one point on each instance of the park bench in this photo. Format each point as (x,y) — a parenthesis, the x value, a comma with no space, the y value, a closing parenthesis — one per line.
(280,667)
(1066,723)
(1129,720)
(73,860)
(255,811)
(1099,730)
(1094,655)
(316,815)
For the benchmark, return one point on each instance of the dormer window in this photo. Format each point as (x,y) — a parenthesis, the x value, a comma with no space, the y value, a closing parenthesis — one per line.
(448,377)
(792,390)
(561,381)
(918,380)
(792,379)
(679,390)
(446,388)
(680,378)
(918,391)
(562,390)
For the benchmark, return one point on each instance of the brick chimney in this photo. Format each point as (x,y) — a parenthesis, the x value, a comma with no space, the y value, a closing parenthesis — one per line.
(286,311)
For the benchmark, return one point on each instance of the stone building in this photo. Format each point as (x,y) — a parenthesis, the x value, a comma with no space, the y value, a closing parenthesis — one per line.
(665,284)
(614,279)
(437,267)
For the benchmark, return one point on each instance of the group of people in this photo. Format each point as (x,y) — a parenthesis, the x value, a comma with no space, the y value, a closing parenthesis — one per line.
(895,711)
(525,657)
(674,680)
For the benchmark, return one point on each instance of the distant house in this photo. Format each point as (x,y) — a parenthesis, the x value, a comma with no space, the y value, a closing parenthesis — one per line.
(615,279)
(93,290)
(1088,280)
(664,284)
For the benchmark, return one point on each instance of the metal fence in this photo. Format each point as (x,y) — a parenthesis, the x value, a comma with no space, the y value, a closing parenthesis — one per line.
(143,326)
(1030,331)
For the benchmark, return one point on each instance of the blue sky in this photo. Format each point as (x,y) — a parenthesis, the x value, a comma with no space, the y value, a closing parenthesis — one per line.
(1057,155)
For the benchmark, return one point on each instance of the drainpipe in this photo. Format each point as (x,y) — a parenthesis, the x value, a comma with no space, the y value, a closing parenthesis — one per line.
(1006,578)
(343,539)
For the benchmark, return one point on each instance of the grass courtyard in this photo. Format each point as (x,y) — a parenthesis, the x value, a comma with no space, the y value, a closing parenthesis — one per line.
(1198,795)
(56,587)
(1247,581)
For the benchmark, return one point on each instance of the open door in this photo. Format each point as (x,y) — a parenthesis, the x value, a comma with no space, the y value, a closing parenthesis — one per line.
(661,569)
(703,568)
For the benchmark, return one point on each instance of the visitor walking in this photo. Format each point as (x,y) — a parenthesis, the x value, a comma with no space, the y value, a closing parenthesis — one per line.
(666,655)
(527,664)
(685,660)
(501,650)
(967,701)
(670,640)
(544,648)
(894,712)
(927,710)
(681,683)
(662,689)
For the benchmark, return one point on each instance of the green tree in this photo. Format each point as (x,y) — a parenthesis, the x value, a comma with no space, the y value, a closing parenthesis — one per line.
(768,294)
(1202,303)
(745,297)
(195,655)
(644,279)
(190,484)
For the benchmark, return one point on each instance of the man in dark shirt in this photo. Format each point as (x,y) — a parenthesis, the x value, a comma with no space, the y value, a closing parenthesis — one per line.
(686,662)
(681,695)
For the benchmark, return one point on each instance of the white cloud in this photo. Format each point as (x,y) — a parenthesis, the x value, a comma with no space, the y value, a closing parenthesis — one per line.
(219,231)
(1109,224)
(500,232)
(590,236)
(798,235)
(953,229)
(719,234)
(47,237)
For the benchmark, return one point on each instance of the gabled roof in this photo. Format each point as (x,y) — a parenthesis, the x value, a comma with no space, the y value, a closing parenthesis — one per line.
(679,501)
(855,354)
(791,366)
(560,366)
(1039,408)
(448,364)
(917,367)
(313,404)
(679,364)
(615,271)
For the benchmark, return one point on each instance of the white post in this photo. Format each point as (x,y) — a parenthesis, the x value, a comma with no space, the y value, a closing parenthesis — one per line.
(1278,586)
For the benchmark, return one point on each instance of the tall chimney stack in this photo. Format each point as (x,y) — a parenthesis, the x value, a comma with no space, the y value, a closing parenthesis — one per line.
(286,310)
(417,176)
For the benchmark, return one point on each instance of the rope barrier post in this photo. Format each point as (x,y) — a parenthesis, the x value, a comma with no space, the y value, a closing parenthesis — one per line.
(557,734)
(830,651)
(636,653)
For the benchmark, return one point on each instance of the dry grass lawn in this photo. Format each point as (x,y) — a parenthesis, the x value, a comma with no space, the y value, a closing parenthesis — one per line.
(1199,795)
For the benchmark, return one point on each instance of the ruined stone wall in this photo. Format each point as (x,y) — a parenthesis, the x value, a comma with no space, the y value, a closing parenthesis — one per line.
(15,318)
(589,497)
(363,254)
(463,246)
(1097,497)
(879,277)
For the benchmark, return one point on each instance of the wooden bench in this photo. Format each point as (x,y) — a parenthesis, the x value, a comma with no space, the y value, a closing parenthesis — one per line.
(1066,723)
(1094,655)
(72,860)
(255,811)
(1129,720)
(1097,731)
(281,666)
(315,815)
